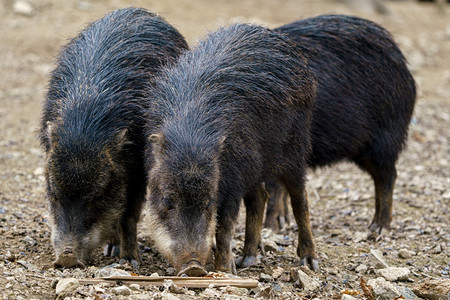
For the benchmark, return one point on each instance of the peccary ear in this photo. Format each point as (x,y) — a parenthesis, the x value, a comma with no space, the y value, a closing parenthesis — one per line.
(121,137)
(158,141)
(157,138)
(49,131)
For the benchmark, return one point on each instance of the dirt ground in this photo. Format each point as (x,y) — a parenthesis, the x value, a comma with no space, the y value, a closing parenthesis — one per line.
(341,197)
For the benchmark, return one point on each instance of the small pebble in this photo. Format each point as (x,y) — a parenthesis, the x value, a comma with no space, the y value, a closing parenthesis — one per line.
(22,7)
(122,290)
(265,277)
(277,272)
(394,273)
(362,268)
(66,286)
(404,253)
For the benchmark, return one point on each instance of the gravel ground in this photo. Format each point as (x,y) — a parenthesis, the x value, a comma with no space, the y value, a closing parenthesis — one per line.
(414,256)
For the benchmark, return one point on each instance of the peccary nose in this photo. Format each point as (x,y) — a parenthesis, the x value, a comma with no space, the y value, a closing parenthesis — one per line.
(67,259)
(192,269)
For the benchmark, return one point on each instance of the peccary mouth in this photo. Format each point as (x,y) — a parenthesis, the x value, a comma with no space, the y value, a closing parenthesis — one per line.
(68,260)
(192,269)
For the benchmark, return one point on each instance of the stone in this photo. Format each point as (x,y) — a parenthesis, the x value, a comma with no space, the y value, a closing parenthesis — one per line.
(210,293)
(26,265)
(376,259)
(394,273)
(359,236)
(169,296)
(38,171)
(437,249)
(333,271)
(22,7)
(122,290)
(265,277)
(404,253)
(236,291)
(110,271)
(433,289)
(362,268)
(139,297)
(99,289)
(347,297)
(29,241)
(270,245)
(66,286)
(172,287)
(277,272)
(266,292)
(135,287)
(308,283)
(407,293)
(383,290)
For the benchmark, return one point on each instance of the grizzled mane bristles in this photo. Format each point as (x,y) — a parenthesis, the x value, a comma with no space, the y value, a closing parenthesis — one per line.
(88,79)
(212,72)
(346,43)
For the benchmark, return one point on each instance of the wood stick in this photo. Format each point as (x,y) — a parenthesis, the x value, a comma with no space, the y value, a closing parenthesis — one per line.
(193,282)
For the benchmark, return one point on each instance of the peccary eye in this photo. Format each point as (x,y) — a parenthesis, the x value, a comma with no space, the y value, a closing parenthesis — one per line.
(168,203)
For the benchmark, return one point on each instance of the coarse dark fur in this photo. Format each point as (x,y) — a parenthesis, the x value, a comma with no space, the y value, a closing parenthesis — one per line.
(92,131)
(365,99)
(231,112)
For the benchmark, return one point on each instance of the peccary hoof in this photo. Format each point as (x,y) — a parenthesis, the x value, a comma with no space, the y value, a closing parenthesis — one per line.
(111,250)
(192,269)
(310,262)
(68,260)
(246,261)
(133,262)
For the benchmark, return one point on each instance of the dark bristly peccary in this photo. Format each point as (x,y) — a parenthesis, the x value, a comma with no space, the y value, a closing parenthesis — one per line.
(93,132)
(231,112)
(365,100)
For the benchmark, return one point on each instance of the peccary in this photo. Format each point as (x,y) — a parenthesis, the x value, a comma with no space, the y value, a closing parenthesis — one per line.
(231,112)
(92,132)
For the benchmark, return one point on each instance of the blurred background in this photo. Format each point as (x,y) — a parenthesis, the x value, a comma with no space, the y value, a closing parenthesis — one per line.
(33,30)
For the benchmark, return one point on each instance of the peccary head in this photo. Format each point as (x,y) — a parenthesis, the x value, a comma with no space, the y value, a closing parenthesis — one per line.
(184,181)
(85,191)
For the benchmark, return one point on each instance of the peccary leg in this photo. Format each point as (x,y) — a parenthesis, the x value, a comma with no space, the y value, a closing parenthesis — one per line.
(383,175)
(224,233)
(299,202)
(275,219)
(128,231)
(255,202)
(287,219)
(113,248)
(384,189)
(128,243)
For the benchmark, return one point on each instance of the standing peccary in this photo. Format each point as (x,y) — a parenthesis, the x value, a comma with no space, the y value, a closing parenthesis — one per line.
(365,100)
(92,133)
(231,112)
